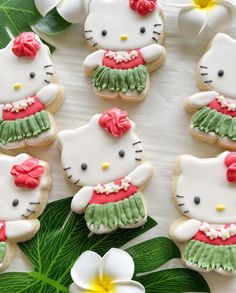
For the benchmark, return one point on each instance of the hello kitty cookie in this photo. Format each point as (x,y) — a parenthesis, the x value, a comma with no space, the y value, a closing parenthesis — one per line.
(127,35)
(204,191)
(214,108)
(105,158)
(25,184)
(28,94)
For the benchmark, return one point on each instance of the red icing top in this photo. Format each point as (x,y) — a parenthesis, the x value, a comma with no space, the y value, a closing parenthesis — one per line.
(32,109)
(28,173)
(201,236)
(26,45)
(143,7)
(115,121)
(230,162)
(135,56)
(2,231)
(103,198)
(216,105)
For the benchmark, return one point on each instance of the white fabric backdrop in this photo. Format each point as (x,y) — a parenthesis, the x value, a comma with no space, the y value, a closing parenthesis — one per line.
(161,123)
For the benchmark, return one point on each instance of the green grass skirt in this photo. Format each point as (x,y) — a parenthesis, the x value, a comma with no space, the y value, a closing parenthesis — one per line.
(120,80)
(122,213)
(20,129)
(3,251)
(211,257)
(208,120)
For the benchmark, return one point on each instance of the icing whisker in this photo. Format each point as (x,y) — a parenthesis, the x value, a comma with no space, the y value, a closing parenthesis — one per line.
(139,151)
(208,81)
(47,81)
(69,177)
(49,73)
(30,211)
(137,142)
(154,39)
(203,74)
(138,159)
(88,31)
(185,212)
(180,196)
(77,181)
(181,204)
(157,24)
(95,45)
(204,67)
(48,66)
(157,33)
(68,168)
(89,39)
(24,216)
(37,203)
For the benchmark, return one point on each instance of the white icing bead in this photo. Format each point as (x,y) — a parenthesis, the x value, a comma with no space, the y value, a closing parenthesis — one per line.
(22,105)
(112,187)
(225,104)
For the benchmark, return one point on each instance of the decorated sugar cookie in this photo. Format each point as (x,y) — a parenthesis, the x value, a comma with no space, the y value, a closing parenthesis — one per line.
(25,183)
(105,158)
(112,273)
(27,93)
(198,17)
(127,35)
(204,191)
(214,108)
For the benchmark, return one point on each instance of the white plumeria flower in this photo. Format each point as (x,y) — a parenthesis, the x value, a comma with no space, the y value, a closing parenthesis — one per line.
(112,274)
(70,10)
(197,16)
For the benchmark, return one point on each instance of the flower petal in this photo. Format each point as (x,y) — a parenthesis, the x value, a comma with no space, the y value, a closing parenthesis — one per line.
(222,16)
(127,286)
(116,265)
(44,6)
(181,3)
(71,10)
(191,21)
(86,270)
(75,289)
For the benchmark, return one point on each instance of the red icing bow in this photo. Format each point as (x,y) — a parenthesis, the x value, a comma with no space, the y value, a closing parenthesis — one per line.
(230,162)
(28,173)
(115,121)
(143,7)
(26,45)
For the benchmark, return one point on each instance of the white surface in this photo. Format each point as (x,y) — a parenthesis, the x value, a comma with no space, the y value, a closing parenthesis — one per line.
(161,122)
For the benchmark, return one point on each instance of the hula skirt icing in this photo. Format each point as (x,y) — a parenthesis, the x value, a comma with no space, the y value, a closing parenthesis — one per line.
(26,128)
(3,251)
(209,120)
(211,257)
(120,80)
(122,213)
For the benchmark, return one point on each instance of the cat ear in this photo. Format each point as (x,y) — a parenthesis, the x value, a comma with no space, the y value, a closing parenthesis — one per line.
(73,10)
(222,40)
(187,162)
(65,136)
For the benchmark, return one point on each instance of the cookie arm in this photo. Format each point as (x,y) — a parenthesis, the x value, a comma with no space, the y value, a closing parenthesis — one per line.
(49,93)
(93,60)
(152,52)
(22,229)
(199,100)
(184,231)
(141,174)
(82,199)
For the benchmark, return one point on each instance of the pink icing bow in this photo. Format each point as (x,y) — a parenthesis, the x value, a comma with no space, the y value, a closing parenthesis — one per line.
(115,121)
(143,7)
(28,173)
(230,162)
(26,45)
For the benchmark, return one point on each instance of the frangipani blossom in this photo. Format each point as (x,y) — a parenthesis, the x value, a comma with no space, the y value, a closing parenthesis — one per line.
(197,16)
(111,274)
(70,10)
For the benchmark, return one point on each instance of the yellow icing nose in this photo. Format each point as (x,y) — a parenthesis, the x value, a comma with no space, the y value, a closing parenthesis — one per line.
(105,166)
(220,207)
(124,38)
(17,86)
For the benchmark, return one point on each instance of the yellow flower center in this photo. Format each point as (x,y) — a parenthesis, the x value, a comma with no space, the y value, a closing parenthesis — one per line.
(104,287)
(204,4)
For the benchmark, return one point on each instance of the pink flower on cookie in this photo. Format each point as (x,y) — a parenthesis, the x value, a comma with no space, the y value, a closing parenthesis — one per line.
(143,7)
(26,45)
(28,173)
(115,121)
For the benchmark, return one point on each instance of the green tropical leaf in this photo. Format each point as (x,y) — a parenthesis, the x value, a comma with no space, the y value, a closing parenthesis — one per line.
(63,237)
(174,281)
(152,252)
(21,15)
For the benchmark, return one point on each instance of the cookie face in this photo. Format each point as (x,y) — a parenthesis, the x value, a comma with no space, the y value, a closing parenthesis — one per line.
(105,158)
(115,26)
(100,156)
(202,189)
(24,76)
(217,66)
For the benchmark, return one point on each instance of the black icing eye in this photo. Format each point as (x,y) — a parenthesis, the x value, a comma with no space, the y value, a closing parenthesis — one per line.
(32,75)
(15,202)
(122,153)
(104,33)
(221,73)
(84,166)
(142,30)
(197,200)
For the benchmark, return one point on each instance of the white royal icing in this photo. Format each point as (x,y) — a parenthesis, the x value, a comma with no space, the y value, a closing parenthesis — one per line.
(226,104)
(213,233)
(19,106)
(112,187)
(122,56)
(113,272)
(199,16)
